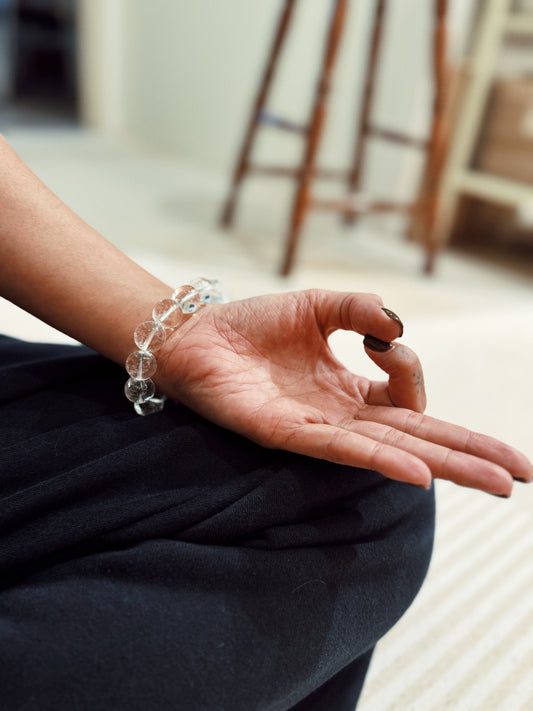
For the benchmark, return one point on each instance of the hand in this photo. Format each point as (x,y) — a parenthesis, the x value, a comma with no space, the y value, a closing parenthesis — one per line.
(263,368)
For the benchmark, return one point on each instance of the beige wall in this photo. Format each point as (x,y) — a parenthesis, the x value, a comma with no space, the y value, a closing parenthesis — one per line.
(101,63)
(179,75)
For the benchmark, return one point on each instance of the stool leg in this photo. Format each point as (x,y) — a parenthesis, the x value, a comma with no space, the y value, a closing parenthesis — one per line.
(302,199)
(354,176)
(438,141)
(242,165)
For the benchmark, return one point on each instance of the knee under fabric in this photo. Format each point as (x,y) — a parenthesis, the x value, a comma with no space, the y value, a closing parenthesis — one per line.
(163,562)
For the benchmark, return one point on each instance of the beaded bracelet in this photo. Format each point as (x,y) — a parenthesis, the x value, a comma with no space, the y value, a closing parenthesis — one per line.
(149,336)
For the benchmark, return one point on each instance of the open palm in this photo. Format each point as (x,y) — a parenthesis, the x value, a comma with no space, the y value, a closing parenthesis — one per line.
(263,368)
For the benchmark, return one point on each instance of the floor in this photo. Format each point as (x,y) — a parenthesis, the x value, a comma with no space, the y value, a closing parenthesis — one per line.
(466,642)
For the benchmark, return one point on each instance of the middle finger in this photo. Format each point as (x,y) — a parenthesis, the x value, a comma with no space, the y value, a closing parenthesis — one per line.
(444,462)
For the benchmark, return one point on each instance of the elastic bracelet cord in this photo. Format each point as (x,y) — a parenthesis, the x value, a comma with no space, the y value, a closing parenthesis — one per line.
(149,336)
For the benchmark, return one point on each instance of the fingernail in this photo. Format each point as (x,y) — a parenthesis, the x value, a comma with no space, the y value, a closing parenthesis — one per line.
(376,344)
(394,317)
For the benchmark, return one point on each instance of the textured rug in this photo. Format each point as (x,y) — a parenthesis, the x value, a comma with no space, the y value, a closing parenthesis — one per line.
(466,643)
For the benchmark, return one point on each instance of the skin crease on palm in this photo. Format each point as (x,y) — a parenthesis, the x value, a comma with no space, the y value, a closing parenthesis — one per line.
(263,368)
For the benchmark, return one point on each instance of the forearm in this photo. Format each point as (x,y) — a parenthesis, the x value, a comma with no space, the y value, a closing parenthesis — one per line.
(58,268)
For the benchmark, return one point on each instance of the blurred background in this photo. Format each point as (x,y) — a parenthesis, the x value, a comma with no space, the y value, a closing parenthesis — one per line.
(178,79)
(135,114)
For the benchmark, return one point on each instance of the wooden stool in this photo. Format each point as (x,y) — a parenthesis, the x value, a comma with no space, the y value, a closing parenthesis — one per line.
(424,209)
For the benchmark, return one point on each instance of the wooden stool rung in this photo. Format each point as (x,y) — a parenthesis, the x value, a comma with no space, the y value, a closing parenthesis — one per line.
(288,172)
(274,171)
(360,205)
(267,118)
(396,137)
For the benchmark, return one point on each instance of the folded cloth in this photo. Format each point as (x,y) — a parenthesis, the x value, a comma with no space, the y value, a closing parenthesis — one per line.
(166,563)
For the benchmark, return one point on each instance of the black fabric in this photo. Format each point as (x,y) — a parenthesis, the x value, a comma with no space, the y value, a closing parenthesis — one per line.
(164,563)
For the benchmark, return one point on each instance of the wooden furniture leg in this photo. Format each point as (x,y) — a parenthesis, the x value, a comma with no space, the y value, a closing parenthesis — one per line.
(496,19)
(302,198)
(426,212)
(364,127)
(438,141)
(242,165)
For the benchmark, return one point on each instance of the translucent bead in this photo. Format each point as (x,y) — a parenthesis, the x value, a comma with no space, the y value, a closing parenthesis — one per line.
(149,336)
(211,296)
(168,312)
(201,283)
(208,290)
(141,365)
(182,291)
(149,407)
(191,302)
(139,390)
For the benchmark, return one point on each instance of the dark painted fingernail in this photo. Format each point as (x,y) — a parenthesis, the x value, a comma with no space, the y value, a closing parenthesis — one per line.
(376,344)
(394,317)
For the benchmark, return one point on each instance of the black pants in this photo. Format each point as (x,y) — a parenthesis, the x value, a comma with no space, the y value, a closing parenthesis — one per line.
(164,563)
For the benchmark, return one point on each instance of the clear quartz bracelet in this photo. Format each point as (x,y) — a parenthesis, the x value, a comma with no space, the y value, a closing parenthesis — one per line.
(149,336)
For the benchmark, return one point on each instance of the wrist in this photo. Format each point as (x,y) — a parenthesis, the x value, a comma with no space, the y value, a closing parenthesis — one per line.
(155,339)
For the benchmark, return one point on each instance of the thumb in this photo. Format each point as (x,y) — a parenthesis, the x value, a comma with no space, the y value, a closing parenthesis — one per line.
(406,378)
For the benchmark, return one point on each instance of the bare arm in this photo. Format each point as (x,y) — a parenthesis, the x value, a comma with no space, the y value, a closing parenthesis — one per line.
(55,266)
(261,367)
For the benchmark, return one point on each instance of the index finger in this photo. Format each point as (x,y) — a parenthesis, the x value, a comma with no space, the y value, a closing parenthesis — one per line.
(362,313)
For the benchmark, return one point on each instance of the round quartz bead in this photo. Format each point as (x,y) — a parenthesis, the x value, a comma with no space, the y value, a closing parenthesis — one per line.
(139,390)
(168,313)
(149,336)
(191,302)
(182,291)
(211,296)
(201,283)
(149,407)
(141,365)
